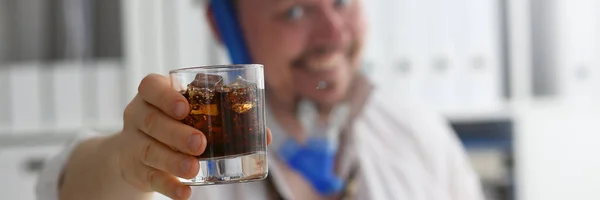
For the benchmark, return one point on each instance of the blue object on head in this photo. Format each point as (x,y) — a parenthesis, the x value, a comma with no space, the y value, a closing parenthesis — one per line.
(314,160)
(231,33)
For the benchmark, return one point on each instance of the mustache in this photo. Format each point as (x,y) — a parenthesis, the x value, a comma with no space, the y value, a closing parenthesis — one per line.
(350,50)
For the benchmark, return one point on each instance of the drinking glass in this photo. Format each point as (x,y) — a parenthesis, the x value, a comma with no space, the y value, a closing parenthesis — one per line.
(227,105)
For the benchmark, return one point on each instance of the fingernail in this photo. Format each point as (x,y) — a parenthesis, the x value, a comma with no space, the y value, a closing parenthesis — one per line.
(186,166)
(180,110)
(194,143)
(180,192)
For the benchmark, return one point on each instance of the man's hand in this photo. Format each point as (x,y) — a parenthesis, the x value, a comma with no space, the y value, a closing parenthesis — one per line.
(154,146)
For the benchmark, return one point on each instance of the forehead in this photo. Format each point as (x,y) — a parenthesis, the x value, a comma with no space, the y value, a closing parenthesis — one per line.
(262,5)
(273,2)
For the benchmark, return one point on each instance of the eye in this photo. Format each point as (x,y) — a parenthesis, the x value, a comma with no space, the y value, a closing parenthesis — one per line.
(295,12)
(342,3)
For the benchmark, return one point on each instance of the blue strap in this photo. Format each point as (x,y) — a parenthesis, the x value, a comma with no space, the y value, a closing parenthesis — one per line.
(231,33)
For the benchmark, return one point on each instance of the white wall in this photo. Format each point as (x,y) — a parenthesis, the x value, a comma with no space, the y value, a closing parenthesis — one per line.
(556,136)
(557,151)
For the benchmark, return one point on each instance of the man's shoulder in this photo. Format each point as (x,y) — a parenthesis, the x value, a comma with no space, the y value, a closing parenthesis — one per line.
(405,121)
(390,127)
(410,139)
(403,110)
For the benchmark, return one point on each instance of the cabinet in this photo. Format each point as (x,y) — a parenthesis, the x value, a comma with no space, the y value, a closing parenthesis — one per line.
(556,148)
(458,56)
(25,96)
(19,167)
(60,61)
(447,54)
(576,52)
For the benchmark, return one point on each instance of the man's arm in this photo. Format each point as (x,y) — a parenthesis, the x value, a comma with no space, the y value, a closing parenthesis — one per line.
(80,171)
(148,154)
(464,183)
(87,174)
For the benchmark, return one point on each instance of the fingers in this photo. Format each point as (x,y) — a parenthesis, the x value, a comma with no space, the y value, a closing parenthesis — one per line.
(161,157)
(151,121)
(269,136)
(165,184)
(157,90)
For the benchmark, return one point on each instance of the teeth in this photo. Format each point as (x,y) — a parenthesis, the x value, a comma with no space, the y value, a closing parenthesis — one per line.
(317,68)
(317,64)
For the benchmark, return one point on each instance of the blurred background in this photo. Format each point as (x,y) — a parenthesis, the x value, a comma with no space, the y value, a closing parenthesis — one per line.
(518,79)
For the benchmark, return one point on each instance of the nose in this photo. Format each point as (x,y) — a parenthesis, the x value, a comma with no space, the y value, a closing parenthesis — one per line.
(329,27)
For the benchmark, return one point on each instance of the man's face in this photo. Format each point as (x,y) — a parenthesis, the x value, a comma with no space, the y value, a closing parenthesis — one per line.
(304,42)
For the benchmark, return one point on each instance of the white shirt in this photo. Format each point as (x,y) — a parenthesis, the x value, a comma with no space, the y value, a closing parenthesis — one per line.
(405,153)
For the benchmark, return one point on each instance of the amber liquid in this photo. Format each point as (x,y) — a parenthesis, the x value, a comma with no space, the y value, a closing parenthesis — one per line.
(231,121)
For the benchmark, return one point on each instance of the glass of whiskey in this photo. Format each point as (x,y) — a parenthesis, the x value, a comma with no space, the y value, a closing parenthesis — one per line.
(227,105)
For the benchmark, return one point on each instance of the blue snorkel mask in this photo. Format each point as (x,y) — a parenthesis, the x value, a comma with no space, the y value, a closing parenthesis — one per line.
(313,158)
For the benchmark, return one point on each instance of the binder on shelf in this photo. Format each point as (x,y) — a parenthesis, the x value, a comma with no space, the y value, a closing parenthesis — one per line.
(411,48)
(28,28)
(480,84)
(110,98)
(438,83)
(69,82)
(577,58)
(5,104)
(406,75)
(25,97)
(480,81)
(375,53)
(442,59)
(4,32)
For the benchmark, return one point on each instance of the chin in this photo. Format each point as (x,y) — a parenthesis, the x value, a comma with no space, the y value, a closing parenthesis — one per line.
(328,96)
(338,85)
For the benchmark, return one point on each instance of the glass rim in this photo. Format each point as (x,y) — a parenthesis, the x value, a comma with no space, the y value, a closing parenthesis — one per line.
(203,68)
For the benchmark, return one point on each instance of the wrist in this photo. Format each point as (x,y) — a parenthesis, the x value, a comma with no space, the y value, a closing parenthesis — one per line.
(108,152)
(89,155)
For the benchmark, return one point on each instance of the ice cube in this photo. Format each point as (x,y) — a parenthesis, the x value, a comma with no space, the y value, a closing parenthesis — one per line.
(241,95)
(243,107)
(202,90)
(207,80)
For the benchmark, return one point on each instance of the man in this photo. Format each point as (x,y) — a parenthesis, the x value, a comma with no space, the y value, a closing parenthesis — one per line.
(387,150)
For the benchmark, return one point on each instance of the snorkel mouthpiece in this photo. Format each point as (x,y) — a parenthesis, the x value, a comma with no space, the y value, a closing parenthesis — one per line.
(314,160)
